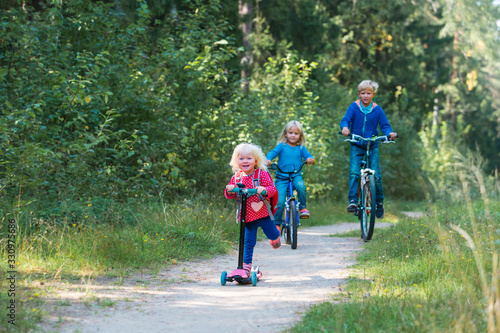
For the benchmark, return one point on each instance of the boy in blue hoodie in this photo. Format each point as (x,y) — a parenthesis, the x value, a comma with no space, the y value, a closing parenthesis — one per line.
(362,118)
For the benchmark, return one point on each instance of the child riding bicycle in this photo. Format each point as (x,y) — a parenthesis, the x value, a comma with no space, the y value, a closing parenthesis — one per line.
(291,150)
(362,118)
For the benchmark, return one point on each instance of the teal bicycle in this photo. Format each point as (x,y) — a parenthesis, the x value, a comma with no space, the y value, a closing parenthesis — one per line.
(367,191)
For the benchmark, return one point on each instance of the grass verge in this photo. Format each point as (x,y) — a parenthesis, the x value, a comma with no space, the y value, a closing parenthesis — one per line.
(439,272)
(79,246)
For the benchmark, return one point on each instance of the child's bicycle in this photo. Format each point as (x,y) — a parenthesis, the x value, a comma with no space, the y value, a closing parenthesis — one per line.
(239,275)
(290,223)
(367,191)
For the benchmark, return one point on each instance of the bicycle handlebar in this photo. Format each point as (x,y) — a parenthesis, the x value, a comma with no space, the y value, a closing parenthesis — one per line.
(357,138)
(290,172)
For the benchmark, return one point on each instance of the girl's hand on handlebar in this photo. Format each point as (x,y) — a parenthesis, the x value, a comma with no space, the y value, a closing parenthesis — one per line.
(392,136)
(229,187)
(260,189)
(345,131)
(310,161)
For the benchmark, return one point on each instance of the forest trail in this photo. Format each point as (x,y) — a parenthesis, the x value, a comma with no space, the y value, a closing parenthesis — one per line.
(188,297)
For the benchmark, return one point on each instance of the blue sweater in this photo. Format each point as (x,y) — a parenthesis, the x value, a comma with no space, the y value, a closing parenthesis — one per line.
(365,125)
(290,158)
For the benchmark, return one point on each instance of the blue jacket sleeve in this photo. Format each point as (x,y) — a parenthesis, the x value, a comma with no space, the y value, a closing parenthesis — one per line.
(305,153)
(275,152)
(384,124)
(347,120)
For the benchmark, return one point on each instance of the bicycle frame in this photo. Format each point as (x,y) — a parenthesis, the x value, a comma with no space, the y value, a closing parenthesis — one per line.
(365,171)
(365,164)
(289,197)
(286,224)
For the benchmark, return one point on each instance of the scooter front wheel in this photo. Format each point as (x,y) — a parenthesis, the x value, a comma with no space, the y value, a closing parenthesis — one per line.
(254,278)
(223,278)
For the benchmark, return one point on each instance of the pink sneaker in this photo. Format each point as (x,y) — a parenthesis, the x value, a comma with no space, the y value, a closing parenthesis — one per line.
(247,268)
(304,214)
(275,243)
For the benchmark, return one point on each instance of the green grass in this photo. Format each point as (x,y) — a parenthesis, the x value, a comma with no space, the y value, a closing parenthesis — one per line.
(159,235)
(349,234)
(422,276)
(327,212)
(150,237)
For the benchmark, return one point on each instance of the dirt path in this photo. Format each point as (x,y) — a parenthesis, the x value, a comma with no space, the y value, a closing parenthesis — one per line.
(190,298)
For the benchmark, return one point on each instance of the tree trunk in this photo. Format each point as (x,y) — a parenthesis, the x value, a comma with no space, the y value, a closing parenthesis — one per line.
(453,78)
(245,12)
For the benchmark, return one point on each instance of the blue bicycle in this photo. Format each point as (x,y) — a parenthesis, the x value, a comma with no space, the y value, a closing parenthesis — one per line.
(290,221)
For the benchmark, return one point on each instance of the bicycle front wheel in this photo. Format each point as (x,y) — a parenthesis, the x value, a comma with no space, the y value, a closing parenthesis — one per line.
(369,206)
(285,227)
(294,223)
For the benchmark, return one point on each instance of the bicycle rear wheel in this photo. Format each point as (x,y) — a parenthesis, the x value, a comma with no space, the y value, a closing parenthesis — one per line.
(369,206)
(293,224)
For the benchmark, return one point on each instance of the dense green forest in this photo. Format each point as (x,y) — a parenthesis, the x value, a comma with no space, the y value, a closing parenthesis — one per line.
(125,100)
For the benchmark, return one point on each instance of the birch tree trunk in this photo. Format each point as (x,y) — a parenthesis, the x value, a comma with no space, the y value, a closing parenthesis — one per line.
(245,13)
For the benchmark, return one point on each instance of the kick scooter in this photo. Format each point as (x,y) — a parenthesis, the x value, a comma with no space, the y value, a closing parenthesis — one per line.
(239,274)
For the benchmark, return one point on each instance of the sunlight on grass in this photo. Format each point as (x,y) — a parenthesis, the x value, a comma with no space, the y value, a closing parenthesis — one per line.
(79,249)
(161,233)
(437,272)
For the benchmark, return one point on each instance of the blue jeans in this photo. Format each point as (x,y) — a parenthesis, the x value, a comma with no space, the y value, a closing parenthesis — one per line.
(269,229)
(282,186)
(357,154)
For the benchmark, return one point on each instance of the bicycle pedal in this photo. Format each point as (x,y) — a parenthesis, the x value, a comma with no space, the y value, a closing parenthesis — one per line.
(356,213)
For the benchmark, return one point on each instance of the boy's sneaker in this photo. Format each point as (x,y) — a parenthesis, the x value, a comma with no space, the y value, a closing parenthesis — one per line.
(353,207)
(380,210)
(304,214)
(275,243)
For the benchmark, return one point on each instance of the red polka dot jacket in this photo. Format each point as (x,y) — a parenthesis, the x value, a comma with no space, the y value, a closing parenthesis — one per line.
(256,209)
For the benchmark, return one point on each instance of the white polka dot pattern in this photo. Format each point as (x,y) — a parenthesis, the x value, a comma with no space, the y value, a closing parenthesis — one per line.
(265,181)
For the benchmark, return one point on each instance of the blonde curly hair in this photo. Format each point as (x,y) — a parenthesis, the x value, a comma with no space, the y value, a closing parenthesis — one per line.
(249,148)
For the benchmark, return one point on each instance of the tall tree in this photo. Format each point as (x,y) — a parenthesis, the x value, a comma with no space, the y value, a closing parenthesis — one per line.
(471,95)
(245,13)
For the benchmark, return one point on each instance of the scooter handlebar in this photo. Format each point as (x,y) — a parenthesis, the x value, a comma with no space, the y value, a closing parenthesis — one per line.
(249,191)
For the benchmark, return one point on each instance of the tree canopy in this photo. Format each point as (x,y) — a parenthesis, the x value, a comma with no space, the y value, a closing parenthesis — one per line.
(143,98)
